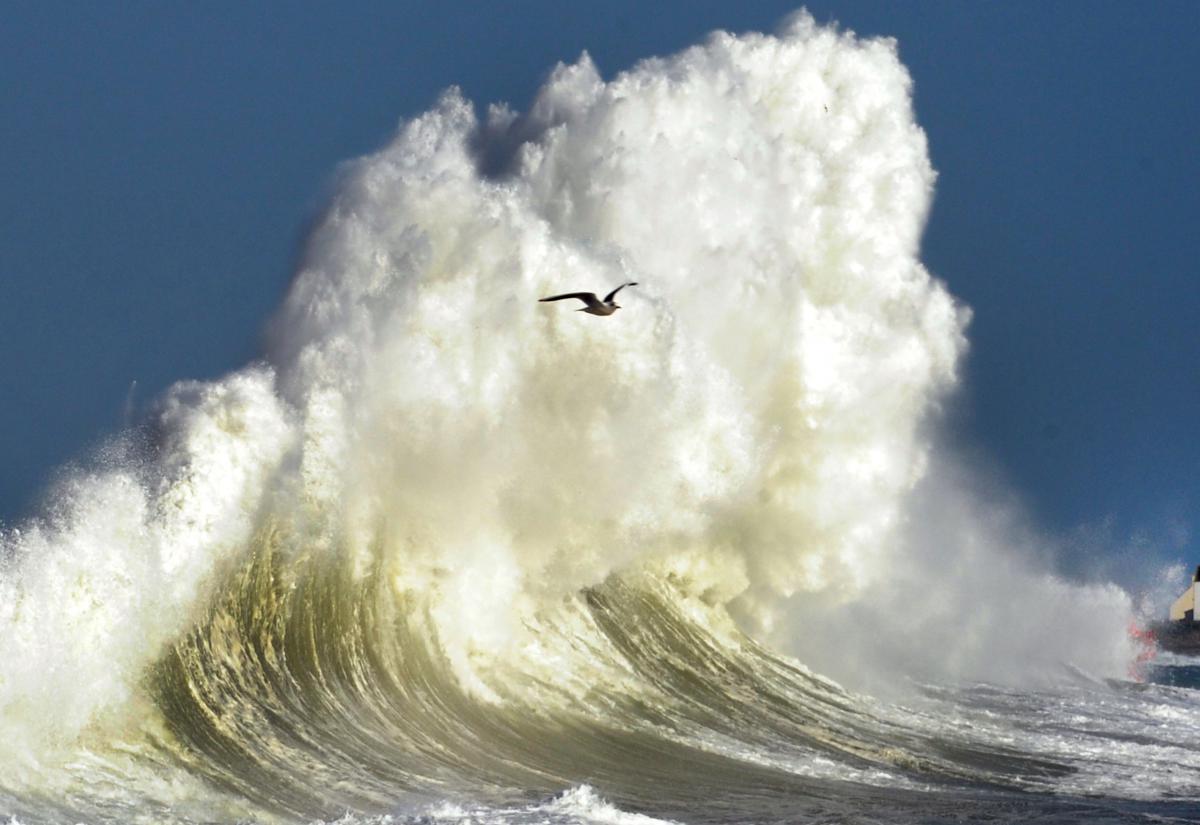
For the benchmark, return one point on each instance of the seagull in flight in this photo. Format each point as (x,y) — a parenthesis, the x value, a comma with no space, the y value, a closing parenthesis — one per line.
(594,305)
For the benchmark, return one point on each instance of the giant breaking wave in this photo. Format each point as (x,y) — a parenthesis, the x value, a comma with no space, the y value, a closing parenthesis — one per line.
(446,537)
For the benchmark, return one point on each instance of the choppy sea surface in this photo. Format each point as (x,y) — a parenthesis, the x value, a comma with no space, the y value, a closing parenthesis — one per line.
(320,717)
(1117,752)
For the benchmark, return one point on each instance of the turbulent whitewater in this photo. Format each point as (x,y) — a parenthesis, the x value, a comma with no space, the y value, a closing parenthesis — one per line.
(450,554)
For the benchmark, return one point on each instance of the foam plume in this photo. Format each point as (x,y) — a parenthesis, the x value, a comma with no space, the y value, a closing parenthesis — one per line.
(759,398)
(748,426)
(91,594)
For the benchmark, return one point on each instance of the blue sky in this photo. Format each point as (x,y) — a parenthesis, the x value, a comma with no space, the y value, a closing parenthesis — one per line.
(159,163)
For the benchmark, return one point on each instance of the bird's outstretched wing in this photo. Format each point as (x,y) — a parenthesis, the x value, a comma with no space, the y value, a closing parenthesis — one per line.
(588,298)
(613,294)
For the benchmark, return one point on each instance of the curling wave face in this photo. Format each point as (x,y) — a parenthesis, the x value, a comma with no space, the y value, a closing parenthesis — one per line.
(450,540)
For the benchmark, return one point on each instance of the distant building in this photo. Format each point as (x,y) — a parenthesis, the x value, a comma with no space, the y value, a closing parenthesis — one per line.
(1184,609)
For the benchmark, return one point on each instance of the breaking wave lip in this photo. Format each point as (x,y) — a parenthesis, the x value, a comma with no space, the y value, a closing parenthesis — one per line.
(447,543)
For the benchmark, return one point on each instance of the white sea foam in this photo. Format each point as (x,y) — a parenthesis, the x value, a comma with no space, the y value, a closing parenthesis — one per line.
(749,423)
(90,594)
(748,420)
(580,805)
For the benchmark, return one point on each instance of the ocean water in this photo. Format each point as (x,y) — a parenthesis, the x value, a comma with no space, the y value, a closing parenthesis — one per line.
(1173,669)
(446,554)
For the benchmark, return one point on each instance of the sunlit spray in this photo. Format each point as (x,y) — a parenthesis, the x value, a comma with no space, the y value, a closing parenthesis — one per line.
(441,511)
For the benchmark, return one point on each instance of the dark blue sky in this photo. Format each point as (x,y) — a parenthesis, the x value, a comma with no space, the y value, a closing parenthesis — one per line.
(159,162)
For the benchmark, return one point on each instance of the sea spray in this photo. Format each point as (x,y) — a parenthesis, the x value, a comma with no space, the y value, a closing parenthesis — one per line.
(447,539)
(757,403)
(95,590)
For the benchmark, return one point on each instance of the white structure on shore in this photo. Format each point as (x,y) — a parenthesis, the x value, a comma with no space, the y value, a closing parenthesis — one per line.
(1184,608)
